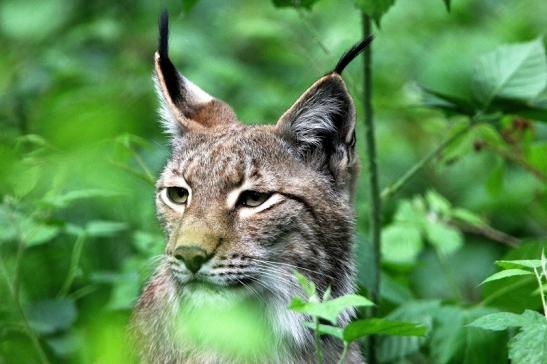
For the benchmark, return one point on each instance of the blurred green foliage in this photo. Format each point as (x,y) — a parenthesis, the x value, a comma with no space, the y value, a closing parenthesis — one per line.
(80,147)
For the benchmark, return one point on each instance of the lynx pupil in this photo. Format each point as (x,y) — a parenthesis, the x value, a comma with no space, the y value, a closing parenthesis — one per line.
(253,198)
(177,195)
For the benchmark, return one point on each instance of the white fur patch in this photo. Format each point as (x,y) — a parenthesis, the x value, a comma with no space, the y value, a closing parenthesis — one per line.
(245,212)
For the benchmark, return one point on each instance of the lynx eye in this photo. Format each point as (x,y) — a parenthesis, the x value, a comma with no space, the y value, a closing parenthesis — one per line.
(177,195)
(252,198)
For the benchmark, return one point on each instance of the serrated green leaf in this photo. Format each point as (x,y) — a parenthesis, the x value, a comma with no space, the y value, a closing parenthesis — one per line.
(499,321)
(438,203)
(525,263)
(517,71)
(401,243)
(445,239)
(360,328)
(529,345)
(374,8)
(50,316)
(329,310)
(506,274)
(327,330)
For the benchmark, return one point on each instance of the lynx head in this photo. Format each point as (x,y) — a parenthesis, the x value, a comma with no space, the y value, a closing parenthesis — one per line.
(243,207)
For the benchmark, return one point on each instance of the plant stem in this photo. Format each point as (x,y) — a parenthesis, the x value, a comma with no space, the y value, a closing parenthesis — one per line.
(374,187)
(344,353)
(28,330)
(541,293)
(73,267)
(317,335)
(397,185)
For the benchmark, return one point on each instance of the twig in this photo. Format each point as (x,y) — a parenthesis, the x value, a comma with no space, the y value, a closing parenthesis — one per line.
(374,187)
(397,185)
(28,330)
(487,231)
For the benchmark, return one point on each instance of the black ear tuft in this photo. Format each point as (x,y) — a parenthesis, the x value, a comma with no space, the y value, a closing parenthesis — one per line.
(163,41)
(170,74)
(351,54)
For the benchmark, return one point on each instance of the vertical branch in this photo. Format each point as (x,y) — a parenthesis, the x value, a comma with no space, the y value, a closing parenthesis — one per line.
(372,169)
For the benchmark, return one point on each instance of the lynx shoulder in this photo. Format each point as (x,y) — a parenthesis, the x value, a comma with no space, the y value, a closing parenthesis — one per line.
(243,207)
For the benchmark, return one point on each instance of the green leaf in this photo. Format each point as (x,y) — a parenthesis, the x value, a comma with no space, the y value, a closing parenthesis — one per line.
(438,203)
(447,103)
(327,330)
(306,4)
(49,316)
(401,243)
(526,263)
(396,348)
(529,345)
(445,239)
(447,3)
(104,228)
(35,233)
(517,71)
(329,310)
(305,283)
(453,341)
(357,329)
(499,321)
(506,274)
(374,8)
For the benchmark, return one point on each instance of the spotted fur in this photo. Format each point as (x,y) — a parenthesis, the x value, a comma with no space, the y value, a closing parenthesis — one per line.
(306,162)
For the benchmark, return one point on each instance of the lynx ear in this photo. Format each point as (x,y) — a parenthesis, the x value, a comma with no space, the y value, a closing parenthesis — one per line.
(184,106)
(321,125)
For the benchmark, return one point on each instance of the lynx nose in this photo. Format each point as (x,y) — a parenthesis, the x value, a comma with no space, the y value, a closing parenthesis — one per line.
(192,256)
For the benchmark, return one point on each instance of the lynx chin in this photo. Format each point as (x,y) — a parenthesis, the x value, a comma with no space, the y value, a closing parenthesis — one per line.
(243,207)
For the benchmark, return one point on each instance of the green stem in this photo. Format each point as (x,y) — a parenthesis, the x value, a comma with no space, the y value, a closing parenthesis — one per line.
(374,187)
(73,267)
(344,353)
(541,293)
(397,185)
(28,330)
(317,335)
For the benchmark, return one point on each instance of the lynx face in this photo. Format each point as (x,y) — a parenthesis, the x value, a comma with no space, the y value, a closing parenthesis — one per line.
(244,207)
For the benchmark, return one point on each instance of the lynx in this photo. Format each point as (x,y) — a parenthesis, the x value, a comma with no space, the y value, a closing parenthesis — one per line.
(243,208)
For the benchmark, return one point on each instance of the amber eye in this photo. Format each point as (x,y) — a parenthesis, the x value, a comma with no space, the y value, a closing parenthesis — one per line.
(177,195)
(252,198)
